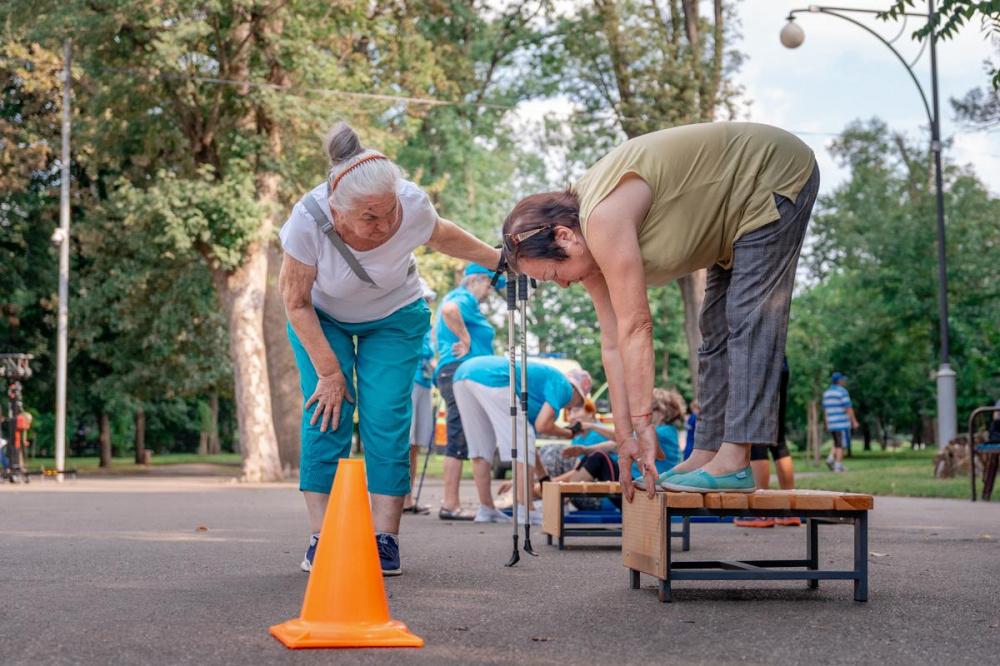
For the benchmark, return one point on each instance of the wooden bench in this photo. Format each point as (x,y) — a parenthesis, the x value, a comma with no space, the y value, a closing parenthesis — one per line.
(646,548)
(554,520)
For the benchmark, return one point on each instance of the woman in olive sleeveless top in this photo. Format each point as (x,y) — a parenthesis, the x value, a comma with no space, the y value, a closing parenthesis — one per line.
(731,197)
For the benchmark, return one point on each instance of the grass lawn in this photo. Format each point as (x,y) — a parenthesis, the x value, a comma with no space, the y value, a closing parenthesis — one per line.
(901,472)
(84,464)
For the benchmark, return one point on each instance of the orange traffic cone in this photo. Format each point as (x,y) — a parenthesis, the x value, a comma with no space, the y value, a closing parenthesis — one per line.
(345,604)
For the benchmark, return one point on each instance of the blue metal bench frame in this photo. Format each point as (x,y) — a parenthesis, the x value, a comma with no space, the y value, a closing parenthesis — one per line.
(776,569)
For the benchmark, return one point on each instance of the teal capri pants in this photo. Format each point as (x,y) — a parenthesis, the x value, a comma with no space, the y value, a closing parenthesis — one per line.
(384,353)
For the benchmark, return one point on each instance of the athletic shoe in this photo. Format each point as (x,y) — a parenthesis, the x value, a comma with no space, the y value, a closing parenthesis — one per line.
(700,481)
(457,514)
(794,521)
(536,516)
(307,561)
(839,467)
(754,522)
(487,515)
(388,553)
(829,462)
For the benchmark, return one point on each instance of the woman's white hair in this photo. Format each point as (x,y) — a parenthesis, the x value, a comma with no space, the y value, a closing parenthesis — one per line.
(373,178)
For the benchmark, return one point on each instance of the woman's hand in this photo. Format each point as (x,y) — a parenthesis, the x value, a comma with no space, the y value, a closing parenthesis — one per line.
(641,449)
(572,451)
(330,393)
(460,348)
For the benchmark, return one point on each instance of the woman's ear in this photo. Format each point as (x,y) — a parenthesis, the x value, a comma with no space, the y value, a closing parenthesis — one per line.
(564,235)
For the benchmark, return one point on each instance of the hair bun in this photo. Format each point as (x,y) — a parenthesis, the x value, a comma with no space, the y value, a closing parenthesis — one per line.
(342,143)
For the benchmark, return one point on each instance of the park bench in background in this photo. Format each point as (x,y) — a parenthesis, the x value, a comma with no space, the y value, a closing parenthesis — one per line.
(556,525)
(986,447)
(646,548)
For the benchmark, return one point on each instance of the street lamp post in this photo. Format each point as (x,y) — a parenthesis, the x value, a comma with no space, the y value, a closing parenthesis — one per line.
(792,37)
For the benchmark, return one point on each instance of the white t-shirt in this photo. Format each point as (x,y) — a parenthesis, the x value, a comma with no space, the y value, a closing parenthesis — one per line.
(340,293)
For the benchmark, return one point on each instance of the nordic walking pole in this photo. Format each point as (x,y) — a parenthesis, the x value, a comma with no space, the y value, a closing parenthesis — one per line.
(511,351)
(427,456)
(522,299)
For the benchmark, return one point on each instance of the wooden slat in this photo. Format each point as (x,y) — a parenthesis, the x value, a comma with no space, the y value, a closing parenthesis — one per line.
(607,487)
(853,502)
(770,499)
(644,534)
(552,506)
(815,499)
(682,500)
(726,501)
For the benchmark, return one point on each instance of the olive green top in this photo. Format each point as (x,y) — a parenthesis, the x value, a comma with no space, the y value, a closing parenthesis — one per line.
(711,183)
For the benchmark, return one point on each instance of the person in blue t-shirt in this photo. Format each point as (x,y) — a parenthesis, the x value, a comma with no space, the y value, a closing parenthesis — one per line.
(691,426)
(483,396)
(463,332)
(838,412)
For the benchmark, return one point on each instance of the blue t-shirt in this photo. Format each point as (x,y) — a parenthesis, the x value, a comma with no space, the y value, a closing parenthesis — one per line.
(836,402)
(546,385)
(589,438)
(425,374)
(667,437)
(692,425)
(480,331)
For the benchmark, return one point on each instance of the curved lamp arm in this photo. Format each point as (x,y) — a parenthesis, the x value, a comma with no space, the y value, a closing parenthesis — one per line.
(833,11)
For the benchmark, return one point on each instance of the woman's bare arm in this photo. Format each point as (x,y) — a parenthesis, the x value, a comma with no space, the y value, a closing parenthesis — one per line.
(295,284)
(451,239)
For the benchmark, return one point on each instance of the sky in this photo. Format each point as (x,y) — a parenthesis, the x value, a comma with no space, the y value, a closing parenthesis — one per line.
(841,73)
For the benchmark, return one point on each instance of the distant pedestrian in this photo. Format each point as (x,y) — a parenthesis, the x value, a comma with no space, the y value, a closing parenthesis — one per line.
(840,420)
(689,427)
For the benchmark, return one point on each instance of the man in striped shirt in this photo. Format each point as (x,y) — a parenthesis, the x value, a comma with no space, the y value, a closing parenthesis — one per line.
(840,420)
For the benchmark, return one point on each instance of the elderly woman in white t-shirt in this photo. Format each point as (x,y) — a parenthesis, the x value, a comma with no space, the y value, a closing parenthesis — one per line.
(354,305)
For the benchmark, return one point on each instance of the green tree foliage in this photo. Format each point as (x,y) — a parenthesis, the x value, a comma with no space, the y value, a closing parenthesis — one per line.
(871,307)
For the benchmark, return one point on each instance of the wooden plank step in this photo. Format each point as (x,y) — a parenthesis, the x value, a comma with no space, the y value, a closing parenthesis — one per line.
(853,502)
(770,499)
(726,501)
(683,500)
(605,487)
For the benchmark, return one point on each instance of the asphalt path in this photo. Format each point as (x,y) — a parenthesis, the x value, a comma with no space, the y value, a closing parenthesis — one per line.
(194,570)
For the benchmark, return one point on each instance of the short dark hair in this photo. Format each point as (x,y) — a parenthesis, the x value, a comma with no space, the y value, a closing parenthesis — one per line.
(544,211)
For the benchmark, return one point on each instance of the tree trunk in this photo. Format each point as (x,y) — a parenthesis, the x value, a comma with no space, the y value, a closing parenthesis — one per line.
(140,436)
(242,295)
(213,424)
(814,441)
(283,375)
(665,370)
(105,440)
(693,294)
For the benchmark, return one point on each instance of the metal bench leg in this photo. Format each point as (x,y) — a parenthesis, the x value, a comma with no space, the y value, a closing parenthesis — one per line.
(633,579)
(812,548)
(664,591)
(562,525)
(861,557)
(686,534)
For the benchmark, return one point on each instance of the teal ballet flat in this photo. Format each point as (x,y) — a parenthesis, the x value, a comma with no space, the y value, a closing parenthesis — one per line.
(666,476)
(700,481)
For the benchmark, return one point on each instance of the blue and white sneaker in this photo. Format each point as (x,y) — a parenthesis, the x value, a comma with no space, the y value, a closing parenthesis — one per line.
(388,553)
(307,561)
